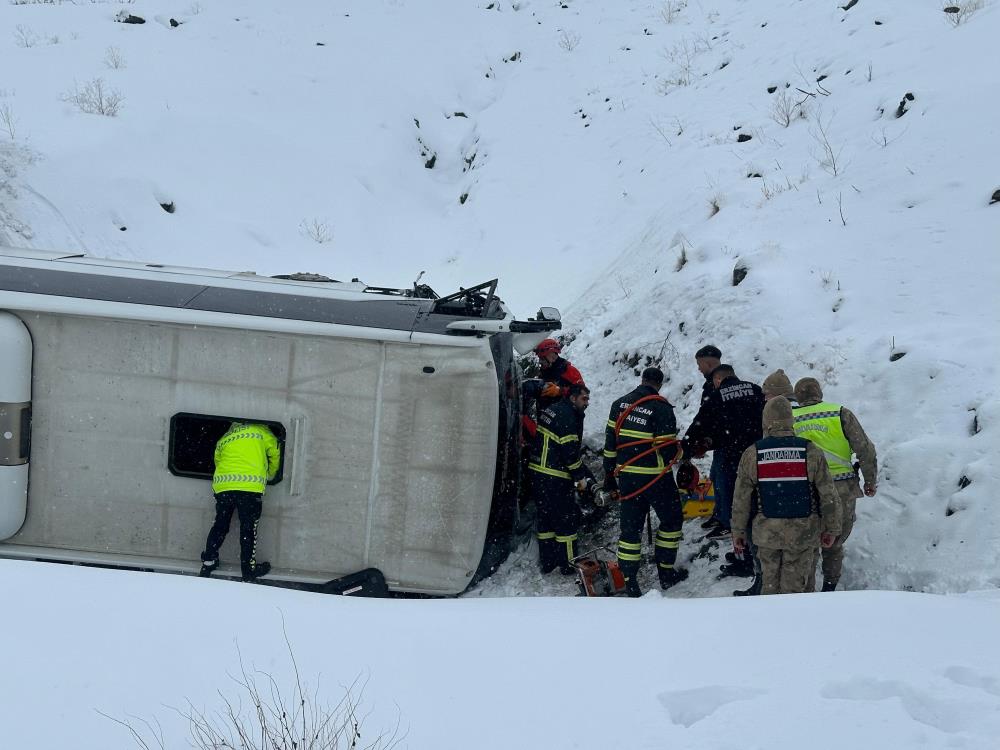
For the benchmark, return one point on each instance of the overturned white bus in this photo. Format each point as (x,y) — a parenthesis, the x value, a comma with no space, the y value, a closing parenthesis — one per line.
(397,411)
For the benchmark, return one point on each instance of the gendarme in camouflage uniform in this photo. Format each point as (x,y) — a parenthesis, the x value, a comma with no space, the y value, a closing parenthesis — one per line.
(838,433)
(784,482)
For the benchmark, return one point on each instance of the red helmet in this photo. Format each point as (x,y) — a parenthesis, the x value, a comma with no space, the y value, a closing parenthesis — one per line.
(546,346)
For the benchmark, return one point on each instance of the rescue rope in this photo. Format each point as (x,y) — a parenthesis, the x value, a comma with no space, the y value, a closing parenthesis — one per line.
(654,444)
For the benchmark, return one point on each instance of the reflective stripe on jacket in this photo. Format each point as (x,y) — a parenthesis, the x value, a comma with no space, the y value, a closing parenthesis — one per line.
(556,448)
(820,424)
(653,420)
(246,459)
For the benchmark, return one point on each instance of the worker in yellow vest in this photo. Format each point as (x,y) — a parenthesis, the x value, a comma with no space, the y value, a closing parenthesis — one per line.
(246,459)
(836,430)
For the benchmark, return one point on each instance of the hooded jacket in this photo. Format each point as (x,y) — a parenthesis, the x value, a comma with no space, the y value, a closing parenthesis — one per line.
(246,459)
(785,533)
(808,392)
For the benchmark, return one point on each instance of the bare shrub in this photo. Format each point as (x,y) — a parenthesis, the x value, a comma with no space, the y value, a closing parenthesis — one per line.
(785,109)
(958,13)
(828,156)
(670,9)
(114,59)
(569,40)
(317,230)
(25,36)
(714,205)
(95,98)
(265,716)
(7,120)
(682,55)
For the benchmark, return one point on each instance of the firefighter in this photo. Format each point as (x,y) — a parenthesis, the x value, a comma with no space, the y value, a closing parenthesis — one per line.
(557,374)
(838,432)
(639,448)
(796,504)
(707,359)
(728,421)
(557,472)
(246,459)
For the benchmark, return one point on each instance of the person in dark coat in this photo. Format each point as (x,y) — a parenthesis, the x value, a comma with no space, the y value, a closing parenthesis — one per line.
(557,473)
(728,422)
(640,442)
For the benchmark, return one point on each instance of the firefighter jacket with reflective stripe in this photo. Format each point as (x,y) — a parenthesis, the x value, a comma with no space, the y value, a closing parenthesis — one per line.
(783,487)
(651,420)
(730,420)
(820,424)
(555,451)
(562,373)
(246,459)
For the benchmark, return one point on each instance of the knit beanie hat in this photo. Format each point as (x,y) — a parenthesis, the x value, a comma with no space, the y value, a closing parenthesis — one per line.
(808,390)
(777,414)
(778,384)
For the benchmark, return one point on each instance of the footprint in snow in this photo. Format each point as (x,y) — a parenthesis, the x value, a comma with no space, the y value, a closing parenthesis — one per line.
(949,716)
(973,679)
(688,707)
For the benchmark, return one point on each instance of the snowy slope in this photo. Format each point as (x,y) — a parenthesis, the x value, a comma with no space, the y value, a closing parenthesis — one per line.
(879,280)
(853,669)
(599,149)
(597,146)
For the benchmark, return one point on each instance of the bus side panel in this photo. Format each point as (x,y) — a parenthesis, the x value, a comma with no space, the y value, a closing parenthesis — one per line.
(436,463)
(105,392)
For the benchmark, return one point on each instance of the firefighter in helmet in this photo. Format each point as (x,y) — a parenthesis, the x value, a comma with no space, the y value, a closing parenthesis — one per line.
(557,473)
(557,374)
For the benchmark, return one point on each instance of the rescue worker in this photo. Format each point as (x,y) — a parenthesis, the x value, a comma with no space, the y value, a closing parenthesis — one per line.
(838,432)
(728,422)
(246,459)
(557,471)
(796,503)
(775,384)
(557,374)
(707,359)
(643,422)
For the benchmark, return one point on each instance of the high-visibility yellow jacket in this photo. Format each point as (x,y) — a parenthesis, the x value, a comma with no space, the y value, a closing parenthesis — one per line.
(246,459)
(820,423)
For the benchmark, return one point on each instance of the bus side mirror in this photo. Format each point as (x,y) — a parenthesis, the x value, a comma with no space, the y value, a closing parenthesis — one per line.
(549,313)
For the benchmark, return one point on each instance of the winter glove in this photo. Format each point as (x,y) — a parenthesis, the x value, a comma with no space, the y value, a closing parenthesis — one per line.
(826,539)
(870,489)
(551,390)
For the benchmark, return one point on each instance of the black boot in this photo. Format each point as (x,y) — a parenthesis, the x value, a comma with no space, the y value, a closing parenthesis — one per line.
(207,566)
(829,585)
(255,571)
(632,587)
(754,589)
(547,558)
(732,557)
(740,569)
(671,576)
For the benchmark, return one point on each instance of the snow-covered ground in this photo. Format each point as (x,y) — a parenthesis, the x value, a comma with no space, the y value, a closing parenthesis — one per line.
(852,669)
(619,160)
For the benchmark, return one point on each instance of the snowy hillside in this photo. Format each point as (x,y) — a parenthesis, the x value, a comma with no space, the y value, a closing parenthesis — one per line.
(620,160)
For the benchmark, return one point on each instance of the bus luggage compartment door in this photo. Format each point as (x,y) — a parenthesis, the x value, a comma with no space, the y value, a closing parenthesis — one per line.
(15,422)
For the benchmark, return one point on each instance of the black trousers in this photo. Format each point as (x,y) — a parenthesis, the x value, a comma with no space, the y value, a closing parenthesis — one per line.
(248,505)
(663,499)
(558,519)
